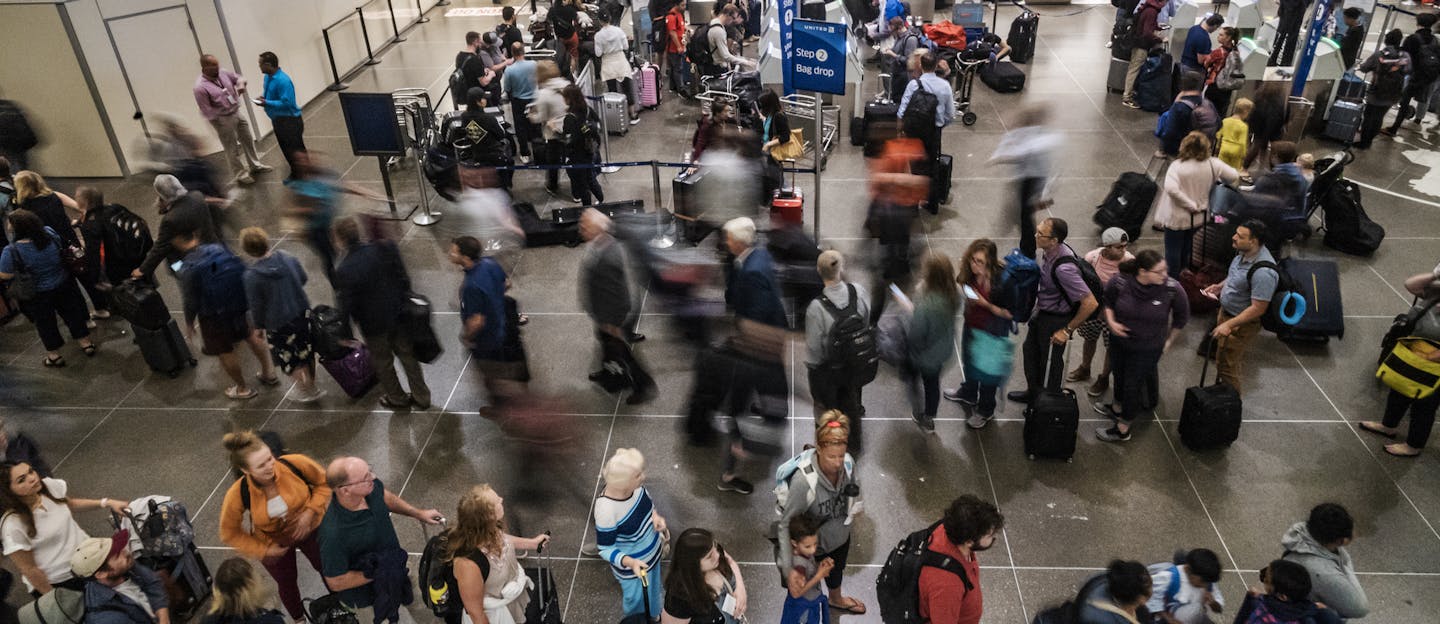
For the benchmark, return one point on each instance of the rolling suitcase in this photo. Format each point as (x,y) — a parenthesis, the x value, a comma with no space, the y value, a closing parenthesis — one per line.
(647,82)
(944,171)
(1023,32)
(139,303)
(687,209)
(164,349)
(616,111)
(788,202)
(1051,421)
(1128,203)
(1318,281)
(354,372)
(1003,77)
(1210,417)
(1343,123)
(544,607)
(1115,80)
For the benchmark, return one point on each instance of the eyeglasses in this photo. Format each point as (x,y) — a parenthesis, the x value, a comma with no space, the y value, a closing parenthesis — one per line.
(369,477)
(1039,234)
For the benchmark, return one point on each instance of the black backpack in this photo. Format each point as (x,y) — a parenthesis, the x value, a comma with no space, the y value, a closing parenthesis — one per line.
(898,586)
(1427,61)
(1286,285)
(437,577)
(697,50)
(331,332)
(850,345)
(1068,612)
(1389,82)
(920,111)
(125,240)
(458,88)
(1348,228)
(1087,273)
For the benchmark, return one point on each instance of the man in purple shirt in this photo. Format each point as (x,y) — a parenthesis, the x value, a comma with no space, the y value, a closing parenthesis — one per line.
(1064,302)
(217,93)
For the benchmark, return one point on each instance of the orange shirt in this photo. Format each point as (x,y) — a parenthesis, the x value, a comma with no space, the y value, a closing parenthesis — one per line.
(299,494)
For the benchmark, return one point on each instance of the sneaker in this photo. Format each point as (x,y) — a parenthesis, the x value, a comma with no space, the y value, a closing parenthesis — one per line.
(1387,132)
(590,549)
(925,423)
(1108,44)
(575,200)
(1129,104)
(953,394)
(1105,409)
(244,178)
(978,421)
(1081,373)
(737,485)
(1099,387)
(635,121)
(259,168)
(309,397)
(1111,434)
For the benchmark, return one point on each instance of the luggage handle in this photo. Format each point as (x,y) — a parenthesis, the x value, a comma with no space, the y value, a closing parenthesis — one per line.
(1064,363)
(1205,368)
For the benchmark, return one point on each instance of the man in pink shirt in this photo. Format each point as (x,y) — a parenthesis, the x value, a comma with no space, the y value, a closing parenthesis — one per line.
(217,93)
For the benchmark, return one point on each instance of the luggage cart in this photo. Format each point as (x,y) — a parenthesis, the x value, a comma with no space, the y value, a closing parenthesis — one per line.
(801,109)
(964,84)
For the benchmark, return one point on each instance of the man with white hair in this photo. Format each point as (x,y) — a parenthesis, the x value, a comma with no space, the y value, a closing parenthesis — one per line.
(830,380)
(605,296)
(628,530)
(181,211)
(750,288)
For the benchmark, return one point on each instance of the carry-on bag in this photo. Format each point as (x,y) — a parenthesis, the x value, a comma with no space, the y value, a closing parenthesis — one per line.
(647,81)
(139,303)
(1023,32)
(164,349)
(788,201)
(1052,418)
(1152,85)
(1127,204)
(1318,282)
(1404,325)
(944,171)
(1407,369)
(1002,77)
(1210,417)
(544,607)
(616,111)
(415,317)
(354,371)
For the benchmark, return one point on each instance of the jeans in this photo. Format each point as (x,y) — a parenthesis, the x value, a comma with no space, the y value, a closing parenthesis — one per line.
(679,71)
(64,302)
(633,593)
(1421,95)
(1231,351)
(554,155)
(524,130)
(384,350)
(923,390)
(1133,367)
(1422,416)
(1178,247)
(829,390)
(283,570)
(1372,121)
(290,137)
(585,183)
(1043,361)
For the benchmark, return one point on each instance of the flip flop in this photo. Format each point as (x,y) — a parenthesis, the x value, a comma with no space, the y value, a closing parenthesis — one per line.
(267,381)
(1398,454)
(854,608)
(49,362)
(1377,431)
(233,393)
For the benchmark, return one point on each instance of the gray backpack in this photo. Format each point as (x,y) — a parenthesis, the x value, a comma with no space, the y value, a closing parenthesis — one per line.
(60,606)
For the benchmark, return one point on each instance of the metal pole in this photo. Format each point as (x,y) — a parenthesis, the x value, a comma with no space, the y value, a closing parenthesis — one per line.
(663,239)
(337,85)
(819,156)
(394,25)
(365,33)
(423,18)
(426,217)
(389,191)
(605,140)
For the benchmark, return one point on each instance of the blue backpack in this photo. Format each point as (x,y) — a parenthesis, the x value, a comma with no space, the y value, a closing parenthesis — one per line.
(222,285)
(1018,286)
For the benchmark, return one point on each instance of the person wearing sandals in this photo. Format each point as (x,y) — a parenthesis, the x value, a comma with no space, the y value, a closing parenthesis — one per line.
(36,251)
(630,533)
(38,528)
(1144,310)
(91,204)
(275,293)
(285,498)
(831,500)
(213,291)
(704,585)
(240,598)
(488,575)
(1426,286)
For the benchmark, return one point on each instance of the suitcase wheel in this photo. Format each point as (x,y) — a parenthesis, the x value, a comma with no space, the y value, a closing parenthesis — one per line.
(969,118)
(1032,457)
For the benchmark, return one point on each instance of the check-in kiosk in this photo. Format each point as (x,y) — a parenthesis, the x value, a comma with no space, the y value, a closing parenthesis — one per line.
(1265,35)
(1245,15)
(1253,58)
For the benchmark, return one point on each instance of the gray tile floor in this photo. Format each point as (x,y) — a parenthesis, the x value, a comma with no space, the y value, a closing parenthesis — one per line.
(115,429)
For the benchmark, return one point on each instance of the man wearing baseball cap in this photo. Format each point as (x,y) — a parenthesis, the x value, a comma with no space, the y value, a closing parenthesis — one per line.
(118,590)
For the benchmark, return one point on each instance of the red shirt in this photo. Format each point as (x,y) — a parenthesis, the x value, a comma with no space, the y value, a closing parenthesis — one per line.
(675,24)
(943,599)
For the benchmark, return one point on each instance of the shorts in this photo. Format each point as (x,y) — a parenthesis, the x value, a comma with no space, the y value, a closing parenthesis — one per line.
(1093,329)
(218,335)
(291,344)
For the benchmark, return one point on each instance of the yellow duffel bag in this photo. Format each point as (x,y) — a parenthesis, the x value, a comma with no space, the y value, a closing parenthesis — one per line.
(1408,370)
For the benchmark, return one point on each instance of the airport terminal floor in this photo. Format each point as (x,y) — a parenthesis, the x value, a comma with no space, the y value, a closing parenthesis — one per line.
(111,427)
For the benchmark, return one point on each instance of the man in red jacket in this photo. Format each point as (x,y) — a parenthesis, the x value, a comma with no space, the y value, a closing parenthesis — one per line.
(970,525)
(1147,36)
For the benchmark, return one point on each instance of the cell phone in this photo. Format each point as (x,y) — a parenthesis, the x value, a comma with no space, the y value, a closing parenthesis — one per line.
(969,292)
(176,265)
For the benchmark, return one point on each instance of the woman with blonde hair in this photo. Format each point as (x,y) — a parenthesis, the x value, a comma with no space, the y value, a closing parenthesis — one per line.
(930,338)
(629,531)
(239,597)
(1185,199)
(285,498)
(33,194)
(823,485)
(491,583)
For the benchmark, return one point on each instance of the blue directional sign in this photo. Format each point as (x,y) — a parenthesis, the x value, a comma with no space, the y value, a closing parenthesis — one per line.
(788,11)
(817,62)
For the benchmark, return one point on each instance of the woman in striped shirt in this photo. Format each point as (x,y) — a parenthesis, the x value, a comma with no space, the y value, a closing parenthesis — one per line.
(630,533)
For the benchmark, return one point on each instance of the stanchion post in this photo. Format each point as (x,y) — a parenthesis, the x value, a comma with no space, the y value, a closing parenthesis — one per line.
(605,140)
(423,18)
(819,156)
(662,240)
(334,72)
(389,191)
(394,25)
(365,34)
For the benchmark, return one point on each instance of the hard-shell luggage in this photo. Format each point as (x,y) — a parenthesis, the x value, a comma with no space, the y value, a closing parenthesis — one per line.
(616,111)
(542,232)
(647,84)
(1343,123)
(1152,85)
(1003,77)
(788,201)
(688,211)
(967,13)
(164,349)
(1318,281)
(1023,32)
(1051,421)
(1210,417)
(139,303)
(1128,203)
(1115,80)
(354,372)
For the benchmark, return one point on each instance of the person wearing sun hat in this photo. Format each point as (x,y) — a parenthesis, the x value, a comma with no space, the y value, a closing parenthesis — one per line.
(117,589)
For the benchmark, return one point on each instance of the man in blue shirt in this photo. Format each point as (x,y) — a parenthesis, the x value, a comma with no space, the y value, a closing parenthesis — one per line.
(519,82)
(482,314)
(1197,43)
(944,114)
(284,111)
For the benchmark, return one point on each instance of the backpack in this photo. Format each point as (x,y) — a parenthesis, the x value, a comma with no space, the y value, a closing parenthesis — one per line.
(437,577)
(589,138)
(125,241)
(898,586)
(60,606)
(1018,286)
(245,489)
(1231,75)
(163,525)
(1261,615)
(1271,321)
(1205,118)
(458,88)
(1427,62)
(222,284)
(1389,81)
(15,130)
(850,345)
(1087,273)
(330,332)
(804,463)
(1347,227)
(697,49)
(921,111)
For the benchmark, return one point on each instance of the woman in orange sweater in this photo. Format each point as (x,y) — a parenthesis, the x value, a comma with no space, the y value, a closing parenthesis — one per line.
(286,498)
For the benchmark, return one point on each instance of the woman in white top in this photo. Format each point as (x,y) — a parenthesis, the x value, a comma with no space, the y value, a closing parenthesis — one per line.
(487,573)
(38,529)
(1186,197)
(615,69)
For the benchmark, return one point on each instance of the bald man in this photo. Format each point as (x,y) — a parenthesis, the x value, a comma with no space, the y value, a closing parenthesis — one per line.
(357,524)
(217,93)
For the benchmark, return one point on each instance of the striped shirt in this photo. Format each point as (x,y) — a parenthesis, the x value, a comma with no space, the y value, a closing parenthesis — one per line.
(623,528)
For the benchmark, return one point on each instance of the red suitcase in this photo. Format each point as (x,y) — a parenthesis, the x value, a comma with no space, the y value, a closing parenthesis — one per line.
(788,202)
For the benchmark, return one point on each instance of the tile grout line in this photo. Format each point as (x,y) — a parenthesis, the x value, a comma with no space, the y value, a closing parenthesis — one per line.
(1004,532)
(1086,93)
(102,420)
(195,516)
(1370,451)
(1387,284)
(443,410)
(1235,565)
(590,514)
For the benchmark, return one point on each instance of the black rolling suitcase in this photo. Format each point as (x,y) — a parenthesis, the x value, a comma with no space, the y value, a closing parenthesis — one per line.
(139,303)
(1128,203)
(544,607)
(1003,77)
(944,171)
(1022,36)
(1051,421)
(879,122)
(1318,281)
(1210,417)
(164,349)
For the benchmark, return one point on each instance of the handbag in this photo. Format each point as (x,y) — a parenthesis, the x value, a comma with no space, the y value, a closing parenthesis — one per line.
(1408,371)
(990,357)
(789,150)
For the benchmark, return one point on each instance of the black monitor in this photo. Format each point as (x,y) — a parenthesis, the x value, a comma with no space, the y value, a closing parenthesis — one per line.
(371,123)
